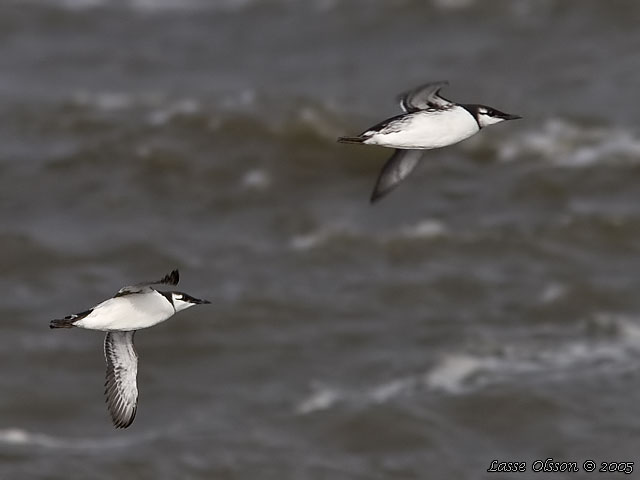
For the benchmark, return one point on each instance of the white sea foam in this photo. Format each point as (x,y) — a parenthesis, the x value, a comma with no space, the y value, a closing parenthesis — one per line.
(310,240)
(321,236)
(422,230)
(460,373)
(452,372)
(566,144)
(322,398)
(325,397)
(386,391)
(429,228)
(624,327)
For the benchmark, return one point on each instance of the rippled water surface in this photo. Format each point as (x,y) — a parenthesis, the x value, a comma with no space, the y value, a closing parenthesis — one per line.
(487,309)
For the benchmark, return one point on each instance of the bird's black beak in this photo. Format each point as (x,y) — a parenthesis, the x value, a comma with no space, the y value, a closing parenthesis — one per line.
(197,301)
(508,116)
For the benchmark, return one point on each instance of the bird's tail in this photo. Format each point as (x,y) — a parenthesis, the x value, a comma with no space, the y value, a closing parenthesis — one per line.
(62,323)
(351,139)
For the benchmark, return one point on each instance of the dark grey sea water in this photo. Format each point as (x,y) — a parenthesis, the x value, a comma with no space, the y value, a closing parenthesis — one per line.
(487,309)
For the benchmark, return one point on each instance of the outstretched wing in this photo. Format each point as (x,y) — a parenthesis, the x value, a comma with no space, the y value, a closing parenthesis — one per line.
(401,164)
(424,97)
(145,287)
(122,367)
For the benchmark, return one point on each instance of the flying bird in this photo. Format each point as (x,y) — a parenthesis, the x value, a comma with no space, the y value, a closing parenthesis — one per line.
(429,121)
(134,307)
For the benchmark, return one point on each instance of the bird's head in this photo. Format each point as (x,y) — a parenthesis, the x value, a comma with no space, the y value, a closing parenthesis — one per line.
(182,301)
(488,116)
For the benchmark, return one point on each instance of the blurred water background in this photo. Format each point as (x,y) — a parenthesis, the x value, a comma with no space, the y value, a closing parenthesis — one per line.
(487,309)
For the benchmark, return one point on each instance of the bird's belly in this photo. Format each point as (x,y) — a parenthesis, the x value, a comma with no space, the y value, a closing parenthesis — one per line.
(122,313)
(427,132)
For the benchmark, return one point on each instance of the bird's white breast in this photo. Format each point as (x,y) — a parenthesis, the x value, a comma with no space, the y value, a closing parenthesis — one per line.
(129,312)
(425,130)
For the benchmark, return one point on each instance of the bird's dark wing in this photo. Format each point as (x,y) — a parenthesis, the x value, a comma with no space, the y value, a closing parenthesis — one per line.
(401,163)
(424,97)
(145,287)
(122,367)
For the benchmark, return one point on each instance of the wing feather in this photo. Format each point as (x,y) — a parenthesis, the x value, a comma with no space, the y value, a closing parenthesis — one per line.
(401,164)
(122,368)
(425,97)
(145,287)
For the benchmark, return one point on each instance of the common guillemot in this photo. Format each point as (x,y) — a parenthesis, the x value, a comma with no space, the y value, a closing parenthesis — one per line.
(132,308)
(429,121)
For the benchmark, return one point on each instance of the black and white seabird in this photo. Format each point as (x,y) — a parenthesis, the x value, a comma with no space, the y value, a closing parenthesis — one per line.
(132,308)
(429,121)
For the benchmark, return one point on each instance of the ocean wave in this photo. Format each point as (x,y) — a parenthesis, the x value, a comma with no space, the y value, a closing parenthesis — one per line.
(229,113)
(615,348)
(566,144)
(316,124)
(463,372)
